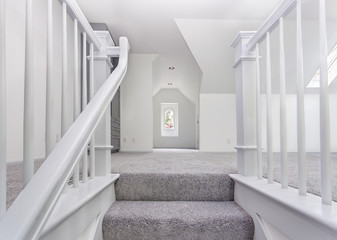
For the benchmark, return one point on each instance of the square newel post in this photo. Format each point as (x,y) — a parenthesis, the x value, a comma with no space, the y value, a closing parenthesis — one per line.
(245,77)
(102,66)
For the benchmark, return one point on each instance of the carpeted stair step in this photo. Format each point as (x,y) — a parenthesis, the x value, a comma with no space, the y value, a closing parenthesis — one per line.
(174,187)
(171,220)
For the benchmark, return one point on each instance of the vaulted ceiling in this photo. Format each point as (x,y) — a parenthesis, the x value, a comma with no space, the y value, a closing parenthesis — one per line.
(156,26)
(151,28)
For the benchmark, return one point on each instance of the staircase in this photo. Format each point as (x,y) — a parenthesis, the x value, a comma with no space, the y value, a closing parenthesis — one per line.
(176,206)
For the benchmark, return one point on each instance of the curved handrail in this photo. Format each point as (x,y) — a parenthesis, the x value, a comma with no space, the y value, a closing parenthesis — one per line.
(30,211)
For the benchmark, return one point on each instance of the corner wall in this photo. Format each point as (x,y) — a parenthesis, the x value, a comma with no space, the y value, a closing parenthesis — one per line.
(136,105)
(217,123)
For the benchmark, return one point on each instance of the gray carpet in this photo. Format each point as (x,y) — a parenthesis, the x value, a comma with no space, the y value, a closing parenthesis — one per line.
(15,180)
(146,220)
(313,172)
(175,195)
(174,162)
(175,187)
(198,162)
(192,162)
(174,176)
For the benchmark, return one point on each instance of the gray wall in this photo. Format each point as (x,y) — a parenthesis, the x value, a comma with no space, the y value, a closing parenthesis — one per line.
(187,120)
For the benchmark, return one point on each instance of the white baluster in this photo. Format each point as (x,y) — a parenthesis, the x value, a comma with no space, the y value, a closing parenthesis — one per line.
(258,114)
(28,141)
(50,110)
(324,111)
(3,114)
(269,114)
(84,102)
(302,167)
(283,112)
(65,101)
(77,96)
(92,92)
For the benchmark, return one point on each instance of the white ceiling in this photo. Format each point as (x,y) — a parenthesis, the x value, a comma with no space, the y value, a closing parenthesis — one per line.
(151,26)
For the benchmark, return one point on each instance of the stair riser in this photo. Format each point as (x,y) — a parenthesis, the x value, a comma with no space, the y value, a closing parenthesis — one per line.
(174,187)
(155,230)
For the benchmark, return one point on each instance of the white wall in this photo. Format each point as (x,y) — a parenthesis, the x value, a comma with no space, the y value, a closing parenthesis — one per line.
(312,122)
(209,41)
(217,123)
(136,104)
(186,76)
(218,120)
(15,20)
(187,120)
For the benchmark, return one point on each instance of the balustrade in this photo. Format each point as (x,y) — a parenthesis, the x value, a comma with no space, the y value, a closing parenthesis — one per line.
(263,34)
(28,214)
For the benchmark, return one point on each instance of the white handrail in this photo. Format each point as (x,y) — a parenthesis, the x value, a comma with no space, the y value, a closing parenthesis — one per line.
(282,10)
(30,211)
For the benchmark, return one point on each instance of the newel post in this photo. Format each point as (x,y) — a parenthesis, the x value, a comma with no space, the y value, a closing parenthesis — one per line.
(245,77)
(103,66)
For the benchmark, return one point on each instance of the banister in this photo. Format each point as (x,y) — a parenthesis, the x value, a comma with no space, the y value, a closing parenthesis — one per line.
(75,12)
(30,211)
(282,10)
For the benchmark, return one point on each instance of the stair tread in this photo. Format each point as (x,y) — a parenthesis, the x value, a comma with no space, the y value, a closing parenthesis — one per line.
(177,220)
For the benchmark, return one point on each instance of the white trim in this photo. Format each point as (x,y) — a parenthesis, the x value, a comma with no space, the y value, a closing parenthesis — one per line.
(104,147)
(106,36)
(242,35)
(309,208)
(79,207)
(112,51)
(102,58)
(245,147)
(243,59)
(75,198)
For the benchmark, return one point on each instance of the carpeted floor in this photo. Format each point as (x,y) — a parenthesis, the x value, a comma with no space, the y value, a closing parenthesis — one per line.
(184,220)
(15,180)
(174,162)
(198,162)
(313,171)
(189,162)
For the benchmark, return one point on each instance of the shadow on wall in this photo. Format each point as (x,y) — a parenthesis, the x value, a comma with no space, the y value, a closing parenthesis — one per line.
(186,119)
